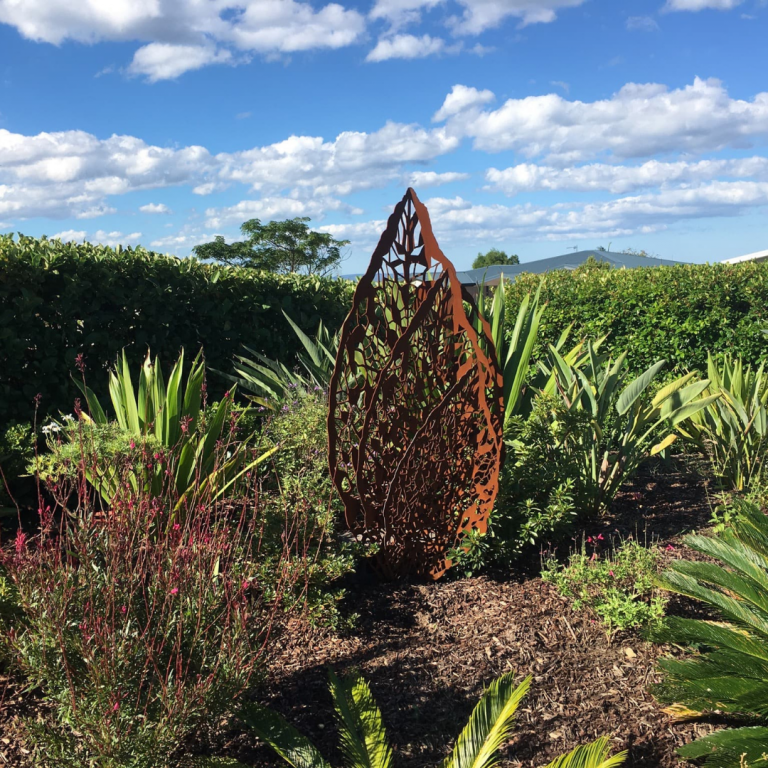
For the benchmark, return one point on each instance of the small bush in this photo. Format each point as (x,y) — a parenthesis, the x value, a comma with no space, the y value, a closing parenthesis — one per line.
(619,589)
(139,625)
(17,449)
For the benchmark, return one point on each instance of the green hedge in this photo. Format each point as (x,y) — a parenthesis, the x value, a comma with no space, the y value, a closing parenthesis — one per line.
(61,299)
(674,313)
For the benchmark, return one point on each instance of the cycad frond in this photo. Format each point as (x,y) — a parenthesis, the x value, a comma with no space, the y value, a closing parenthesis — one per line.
(736,747)
(361,729)
(292,746)
(489,725)
(594,755)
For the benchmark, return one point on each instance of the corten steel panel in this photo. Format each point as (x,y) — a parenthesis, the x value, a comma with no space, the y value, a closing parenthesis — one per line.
(415,415)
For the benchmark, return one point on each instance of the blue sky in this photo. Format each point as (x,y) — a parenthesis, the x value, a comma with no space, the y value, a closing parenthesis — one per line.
(530,125)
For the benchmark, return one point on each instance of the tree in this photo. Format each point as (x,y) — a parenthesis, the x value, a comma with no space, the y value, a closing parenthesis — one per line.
(277,246)
(493,257)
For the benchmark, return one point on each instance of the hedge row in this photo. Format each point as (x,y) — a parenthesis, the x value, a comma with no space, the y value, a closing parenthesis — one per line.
(58,300)
(675,313)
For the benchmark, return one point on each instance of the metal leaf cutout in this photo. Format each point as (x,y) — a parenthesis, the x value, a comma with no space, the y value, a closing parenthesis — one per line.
(415,415)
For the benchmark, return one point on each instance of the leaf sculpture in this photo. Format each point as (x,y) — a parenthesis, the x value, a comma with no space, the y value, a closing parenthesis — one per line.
(416,405)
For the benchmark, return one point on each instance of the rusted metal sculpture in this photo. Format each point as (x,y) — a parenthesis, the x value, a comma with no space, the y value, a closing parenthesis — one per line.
(415,417)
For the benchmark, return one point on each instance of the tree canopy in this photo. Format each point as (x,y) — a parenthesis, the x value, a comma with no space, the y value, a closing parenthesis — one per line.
(277,246)
(494,257)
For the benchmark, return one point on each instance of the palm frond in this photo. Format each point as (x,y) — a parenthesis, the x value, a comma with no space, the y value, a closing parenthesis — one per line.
(594,755)
(363,737)
(489,725)
(297,750)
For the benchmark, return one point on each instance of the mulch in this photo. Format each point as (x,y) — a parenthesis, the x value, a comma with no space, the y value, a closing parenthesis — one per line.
(428,650)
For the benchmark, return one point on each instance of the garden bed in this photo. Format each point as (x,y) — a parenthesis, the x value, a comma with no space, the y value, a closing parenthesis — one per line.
(429,649)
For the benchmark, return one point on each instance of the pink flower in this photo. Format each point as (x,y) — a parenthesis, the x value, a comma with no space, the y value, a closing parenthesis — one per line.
(132,445)
(670,548)
(116,707)
(175,591)
(594,557)
(600,537)
(123,609)
(610,573)
(589,539)
(176,527)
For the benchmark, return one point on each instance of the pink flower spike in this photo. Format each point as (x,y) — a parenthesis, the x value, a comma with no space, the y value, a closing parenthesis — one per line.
(600,537)
(116,707)
(175,591)
(610,573)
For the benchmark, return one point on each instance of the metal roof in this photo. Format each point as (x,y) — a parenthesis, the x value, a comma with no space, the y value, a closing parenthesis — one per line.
(490,275)
(567,261)
(757,256)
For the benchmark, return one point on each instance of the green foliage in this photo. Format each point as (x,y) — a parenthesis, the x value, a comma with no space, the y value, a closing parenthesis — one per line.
(297,475)
(673,313)
(163,416)
(17,449)
(622,421)
(277,246)
(727,672)
(58,300)
(620,589)
(538,499)
(273,382)
(493,257)
(364,740)
(733,430)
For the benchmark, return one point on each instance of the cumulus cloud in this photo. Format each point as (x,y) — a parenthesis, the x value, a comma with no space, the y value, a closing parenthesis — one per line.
(70,236)
(114,238)
(271,208)
(461,101)
(183,36)
(620,179)
(639,120)
(700,5)
(406,47)
(155,208)
(421,179)
(477,15)
(164,61)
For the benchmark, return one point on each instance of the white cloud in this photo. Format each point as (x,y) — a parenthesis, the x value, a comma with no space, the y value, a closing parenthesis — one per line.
(461,101)
(639,120)
(642,24)
(620,179)
(406,47)
(270,208)
(155,208)
(114,239)
(421,179)
(70,235)
(164,61)
(700,5)
(187,35)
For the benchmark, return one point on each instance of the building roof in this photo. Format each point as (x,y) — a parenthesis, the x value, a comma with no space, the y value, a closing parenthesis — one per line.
(756,256)
(490,275)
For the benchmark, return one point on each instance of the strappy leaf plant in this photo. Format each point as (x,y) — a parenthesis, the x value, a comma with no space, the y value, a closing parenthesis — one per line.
(168,416)
(364,741)
(271,382)
(625,425)
(727,669)
(733,430)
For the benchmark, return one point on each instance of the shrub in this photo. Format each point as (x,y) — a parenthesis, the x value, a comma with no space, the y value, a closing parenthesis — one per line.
(17,449)
(727,671)
(620,589)
(364,740)
(673,313)
(139,629)
(63,299)
(733,430)
(297,475)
